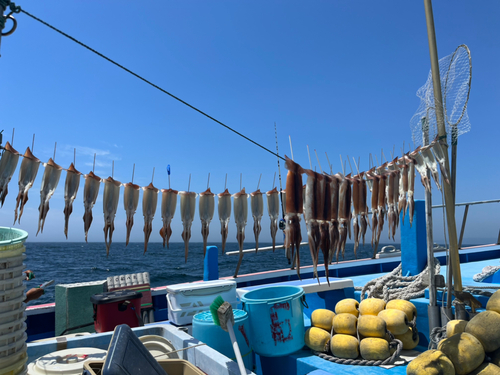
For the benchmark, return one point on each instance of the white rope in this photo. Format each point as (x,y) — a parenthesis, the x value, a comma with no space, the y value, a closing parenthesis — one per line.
(396,286)
(486,272)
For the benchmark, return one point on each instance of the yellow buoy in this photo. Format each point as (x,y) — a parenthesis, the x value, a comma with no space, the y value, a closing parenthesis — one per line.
(397,321)
(344,346)
(371,326)
(485,326)
(464,350)
(455,326)
(317,339)
(495,357)
(406,306)
(431,362)
(375,349)
(345,323)
(407,339)
(371,306)
(347,305)
(494,302)
(486,369)
(322,318)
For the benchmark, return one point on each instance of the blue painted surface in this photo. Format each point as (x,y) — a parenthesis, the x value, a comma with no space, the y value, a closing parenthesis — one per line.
(211,264)
(414,241)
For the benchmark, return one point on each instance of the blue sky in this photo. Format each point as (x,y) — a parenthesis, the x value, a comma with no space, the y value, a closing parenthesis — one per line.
(339,76)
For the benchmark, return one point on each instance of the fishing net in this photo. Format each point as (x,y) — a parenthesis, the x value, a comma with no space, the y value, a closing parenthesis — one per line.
(455,71)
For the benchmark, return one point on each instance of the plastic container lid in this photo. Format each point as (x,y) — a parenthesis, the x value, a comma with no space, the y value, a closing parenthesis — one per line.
(218,285)
(117,296)
(12,237)
(159,347)
(67,362)
(206,316)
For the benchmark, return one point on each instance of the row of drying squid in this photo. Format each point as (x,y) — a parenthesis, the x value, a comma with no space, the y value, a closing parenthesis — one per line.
(325,202)
(29,169)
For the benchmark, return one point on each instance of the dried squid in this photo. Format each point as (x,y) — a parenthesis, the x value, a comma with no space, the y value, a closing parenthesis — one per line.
(334,224)
(188,206)
(130,203)
(224,208)
(363,214)
(206,207)
(431,164)
(344,212)
(391,212)
(168,205)
(110,199)
(403,186)
(50,179)
(411,188)
(257,205)
(294,207)
(273,208)
(421,167)
(356,205)
(314,198)
(240,218)
(440,155)
(71,186)
(374,204)
(27,175)
(381,202)
(149,203)
(8,164)
(324,218)
(90,192)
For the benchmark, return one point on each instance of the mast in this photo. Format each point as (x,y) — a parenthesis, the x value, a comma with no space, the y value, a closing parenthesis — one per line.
(438,105)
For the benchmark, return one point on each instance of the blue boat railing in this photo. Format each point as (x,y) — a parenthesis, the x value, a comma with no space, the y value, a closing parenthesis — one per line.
(464,220)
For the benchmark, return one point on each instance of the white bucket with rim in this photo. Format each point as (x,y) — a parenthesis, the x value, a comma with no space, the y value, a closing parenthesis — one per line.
(12,294)
(13,336)
(12,272)
(10,317)
(14,357)
(13,304)
(11,262)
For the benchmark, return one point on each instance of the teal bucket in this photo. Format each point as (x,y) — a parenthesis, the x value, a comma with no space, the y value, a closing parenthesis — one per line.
(204,329)
(276,320)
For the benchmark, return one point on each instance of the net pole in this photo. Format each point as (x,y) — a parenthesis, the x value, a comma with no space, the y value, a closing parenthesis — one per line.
(438,105)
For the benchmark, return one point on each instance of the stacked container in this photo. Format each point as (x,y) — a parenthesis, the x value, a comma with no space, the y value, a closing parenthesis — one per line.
(12,308)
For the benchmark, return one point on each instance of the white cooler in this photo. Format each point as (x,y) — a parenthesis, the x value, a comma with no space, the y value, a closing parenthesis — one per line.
(187,300)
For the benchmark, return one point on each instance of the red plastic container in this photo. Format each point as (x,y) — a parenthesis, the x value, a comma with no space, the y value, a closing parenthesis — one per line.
(114,308)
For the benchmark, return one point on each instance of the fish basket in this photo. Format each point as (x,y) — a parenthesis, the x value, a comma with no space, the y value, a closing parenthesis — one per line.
(12,242)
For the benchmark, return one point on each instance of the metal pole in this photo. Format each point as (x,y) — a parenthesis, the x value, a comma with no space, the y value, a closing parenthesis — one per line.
(433,312)
(463,227)
(438,104)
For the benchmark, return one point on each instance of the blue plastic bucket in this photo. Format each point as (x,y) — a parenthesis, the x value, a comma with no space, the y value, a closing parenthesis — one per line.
(204,329)
(276,320)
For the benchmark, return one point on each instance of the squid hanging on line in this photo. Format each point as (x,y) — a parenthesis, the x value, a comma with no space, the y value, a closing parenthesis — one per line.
(273,208)
(333,227)
(344,212)
(110,200)
(8,164)
(356,205)
(314,199)
(421,167)
(168,205)
(324,212)
(90,193)
(439,153)
(403,186)
(130,203)
(206,207)
(188,207)
(27,175)
(411,188)
(240,218)
(374,205)
(363,214)
(294,207)
(224,208)
(391,204)
(149,203)
(257,205)
(381,202)
(71,186)
(431,164)
(50,179)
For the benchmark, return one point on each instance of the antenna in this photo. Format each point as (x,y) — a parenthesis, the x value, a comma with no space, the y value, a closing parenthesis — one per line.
(274,179)
(241,178)
(168,172)
(74,157)
(291,149)
(208,182)
(113,170)
(329,164)
(13,129)
(342,164)
(33,143)
(258,184)
(133,172)
(93,168)
(153,176)
(189,184)
(54,158)
(350,166)
(225,183)
(308,153)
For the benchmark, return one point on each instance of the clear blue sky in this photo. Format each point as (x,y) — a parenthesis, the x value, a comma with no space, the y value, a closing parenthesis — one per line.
(339,76)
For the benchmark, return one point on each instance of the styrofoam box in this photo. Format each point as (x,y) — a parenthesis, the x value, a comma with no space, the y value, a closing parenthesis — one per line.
(186,300)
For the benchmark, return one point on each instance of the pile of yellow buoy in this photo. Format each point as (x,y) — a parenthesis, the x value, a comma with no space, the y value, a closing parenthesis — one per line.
(466,346)
(360,329)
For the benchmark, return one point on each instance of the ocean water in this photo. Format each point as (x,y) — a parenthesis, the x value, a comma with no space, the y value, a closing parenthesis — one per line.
(67,263)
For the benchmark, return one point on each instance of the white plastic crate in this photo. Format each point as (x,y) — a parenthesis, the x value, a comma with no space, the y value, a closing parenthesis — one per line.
(186,300)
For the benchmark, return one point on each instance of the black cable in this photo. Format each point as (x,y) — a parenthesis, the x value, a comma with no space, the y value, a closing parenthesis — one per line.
(148,82)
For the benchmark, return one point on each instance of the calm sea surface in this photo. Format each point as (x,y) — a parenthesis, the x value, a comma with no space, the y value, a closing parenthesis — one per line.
(78,262)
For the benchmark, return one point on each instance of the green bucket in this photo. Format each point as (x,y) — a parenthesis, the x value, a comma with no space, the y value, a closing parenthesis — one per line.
(12,242)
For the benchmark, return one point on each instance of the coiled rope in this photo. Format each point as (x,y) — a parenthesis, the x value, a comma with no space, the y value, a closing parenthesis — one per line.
(396,286)
(394,344)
